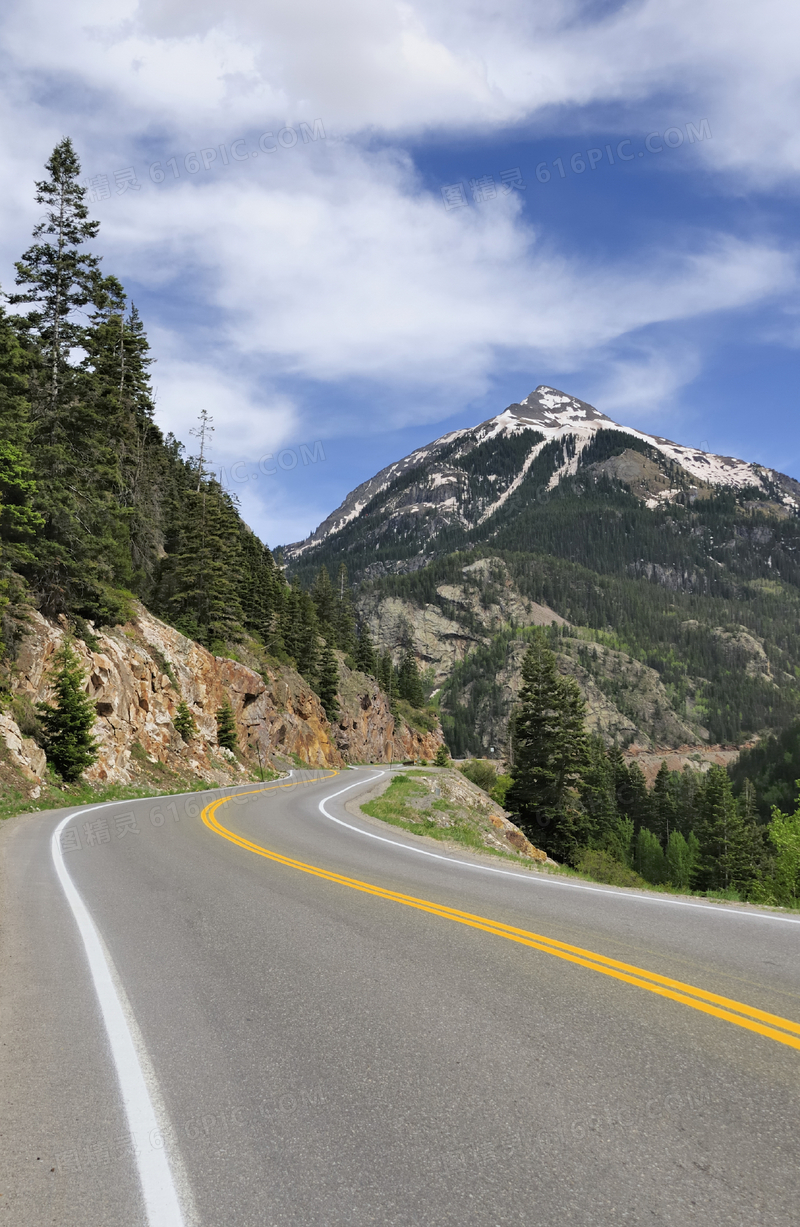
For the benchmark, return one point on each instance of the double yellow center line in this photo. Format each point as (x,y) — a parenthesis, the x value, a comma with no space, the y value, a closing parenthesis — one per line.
(783,1030)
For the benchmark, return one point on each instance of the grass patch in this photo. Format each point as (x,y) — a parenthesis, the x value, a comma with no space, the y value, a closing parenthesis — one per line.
(14,802)
(413,807)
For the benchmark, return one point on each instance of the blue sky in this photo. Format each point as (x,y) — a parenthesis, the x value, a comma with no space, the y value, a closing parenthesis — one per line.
(311,289)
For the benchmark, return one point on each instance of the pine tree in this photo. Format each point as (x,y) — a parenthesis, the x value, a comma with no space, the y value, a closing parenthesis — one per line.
(598,792)
(82,547)
(719,832)
(226,726)
(386,677)
(19,522)
(366,656)
(549,753)
(197,587)
(635,799)
(325,602)
(442,758)
(680,863)
(649,860)
(329,682)
(184,722)
(409,683)
(344,618)
(663,805)
(68,740)
(58,278)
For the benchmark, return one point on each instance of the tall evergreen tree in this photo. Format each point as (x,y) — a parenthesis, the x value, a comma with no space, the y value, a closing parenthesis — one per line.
(68,725)
(226,726)
(549,752)
(19,521)
(366,656)
(409,682)
(663,805)
(329,682)
(58,279)
(597,791)
(344,618)
(720,832)
(325,601)
(198,588)
(387,678)
(79,554)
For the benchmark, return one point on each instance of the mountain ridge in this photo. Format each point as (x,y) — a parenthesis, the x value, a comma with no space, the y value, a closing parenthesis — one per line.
(553,415)
(676,570)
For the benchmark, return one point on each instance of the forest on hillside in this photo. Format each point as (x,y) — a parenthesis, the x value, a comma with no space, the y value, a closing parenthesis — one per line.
(585,805)
(98,506)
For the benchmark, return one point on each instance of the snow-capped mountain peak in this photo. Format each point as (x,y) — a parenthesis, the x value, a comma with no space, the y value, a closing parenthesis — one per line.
(432,484)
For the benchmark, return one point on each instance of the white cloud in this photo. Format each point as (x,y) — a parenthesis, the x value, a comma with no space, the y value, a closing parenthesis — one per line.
(247,423)
(332,265)
(405,68)
(346,270)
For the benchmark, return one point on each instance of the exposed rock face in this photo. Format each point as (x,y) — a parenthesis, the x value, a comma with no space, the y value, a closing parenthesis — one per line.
(142,671)
(626,701)
(24,752)
(469,614)
(138,678)
(697,759)
(367,732)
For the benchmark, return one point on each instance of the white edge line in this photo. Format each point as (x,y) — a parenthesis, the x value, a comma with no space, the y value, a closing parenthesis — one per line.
(162,1205)
(538,879)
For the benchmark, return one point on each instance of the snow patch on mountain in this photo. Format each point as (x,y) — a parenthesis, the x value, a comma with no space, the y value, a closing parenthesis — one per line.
(555,415)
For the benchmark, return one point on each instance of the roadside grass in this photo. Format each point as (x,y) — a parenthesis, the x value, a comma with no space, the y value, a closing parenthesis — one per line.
(629,878)
(52,796)
(408,805)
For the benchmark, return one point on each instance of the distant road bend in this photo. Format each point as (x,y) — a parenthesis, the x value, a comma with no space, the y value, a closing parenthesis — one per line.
(260,1009)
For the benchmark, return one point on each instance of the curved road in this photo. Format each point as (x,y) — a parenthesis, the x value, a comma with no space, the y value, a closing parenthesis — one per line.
(307,1021)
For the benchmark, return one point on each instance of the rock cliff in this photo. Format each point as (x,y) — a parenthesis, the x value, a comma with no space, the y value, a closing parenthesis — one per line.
(137,675)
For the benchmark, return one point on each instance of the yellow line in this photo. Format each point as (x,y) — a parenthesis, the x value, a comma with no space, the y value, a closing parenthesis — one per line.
(752,1019)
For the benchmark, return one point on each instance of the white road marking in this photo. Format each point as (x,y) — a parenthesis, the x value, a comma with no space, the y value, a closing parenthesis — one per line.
(162,1205)
(539,879)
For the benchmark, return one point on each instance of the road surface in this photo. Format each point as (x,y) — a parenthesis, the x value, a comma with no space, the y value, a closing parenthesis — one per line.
(313,1022)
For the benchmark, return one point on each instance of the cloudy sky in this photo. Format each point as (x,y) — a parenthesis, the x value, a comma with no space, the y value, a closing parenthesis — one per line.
(351,227)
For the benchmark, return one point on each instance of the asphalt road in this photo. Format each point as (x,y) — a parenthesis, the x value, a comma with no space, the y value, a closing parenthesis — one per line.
(319,1052)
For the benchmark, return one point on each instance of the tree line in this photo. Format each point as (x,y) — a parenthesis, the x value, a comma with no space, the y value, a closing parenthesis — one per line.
(584,804)
(98,506)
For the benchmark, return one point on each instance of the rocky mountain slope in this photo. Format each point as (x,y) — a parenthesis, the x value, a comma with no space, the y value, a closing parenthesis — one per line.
(677,572)
(137,675)
(465,479)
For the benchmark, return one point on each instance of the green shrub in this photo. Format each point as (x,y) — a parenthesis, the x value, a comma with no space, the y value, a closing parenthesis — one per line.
(602,867)
(481,772)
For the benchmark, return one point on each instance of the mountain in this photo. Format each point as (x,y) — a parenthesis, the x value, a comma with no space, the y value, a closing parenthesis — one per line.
(669,577)
(464,479)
